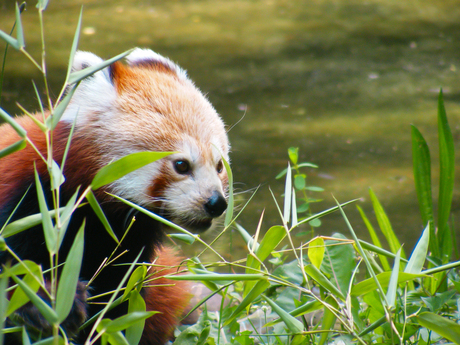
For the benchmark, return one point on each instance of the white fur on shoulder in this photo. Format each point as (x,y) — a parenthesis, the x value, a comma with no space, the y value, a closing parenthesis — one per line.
(139,55)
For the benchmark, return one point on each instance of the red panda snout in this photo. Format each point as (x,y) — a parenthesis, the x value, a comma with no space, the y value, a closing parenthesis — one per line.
(216,204)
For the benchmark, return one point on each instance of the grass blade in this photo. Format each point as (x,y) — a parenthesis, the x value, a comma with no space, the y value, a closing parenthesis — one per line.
(444,327)
(294,325)
(229,212)
(418,256)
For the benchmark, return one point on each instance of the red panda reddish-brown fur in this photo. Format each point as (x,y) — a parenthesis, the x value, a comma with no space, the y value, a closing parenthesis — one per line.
(149,104)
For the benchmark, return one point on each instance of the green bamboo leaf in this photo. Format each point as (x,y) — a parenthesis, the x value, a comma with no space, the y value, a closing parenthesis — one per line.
(46,311)
(322,280)
(41,4)
(19,145)
(80,75)
(294,325)
(287,195)
(316,251)
(294,209)
(230,201)
(124,166)
(329,319)
(293,153)
(182,237)
(48,228)
(444,327)
(100,214)
(217,277)
(10,40)
(136,304)
(74,48)
(270,241)
(25,223)
(252,295)
(58,177)
(68,281)
(369,284)
(418,257)
(422,175)
(19,298)
(65,216)
(125,321)
(19,30)
(135,280)
(57,113)
(375,239)
(385,225)
(447,172)
(10,120)
(393,284)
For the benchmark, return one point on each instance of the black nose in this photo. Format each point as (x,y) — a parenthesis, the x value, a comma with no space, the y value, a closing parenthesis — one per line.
(216,205)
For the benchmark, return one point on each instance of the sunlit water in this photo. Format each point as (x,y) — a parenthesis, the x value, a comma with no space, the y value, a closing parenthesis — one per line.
(341,80)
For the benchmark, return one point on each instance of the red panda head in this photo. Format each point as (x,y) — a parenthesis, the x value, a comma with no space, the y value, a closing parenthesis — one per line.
(151,105)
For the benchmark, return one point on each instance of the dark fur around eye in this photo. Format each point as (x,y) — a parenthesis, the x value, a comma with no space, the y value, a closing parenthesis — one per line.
(182,166)
(220,167)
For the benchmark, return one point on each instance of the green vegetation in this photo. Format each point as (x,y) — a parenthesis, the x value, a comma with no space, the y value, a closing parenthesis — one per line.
(337,289)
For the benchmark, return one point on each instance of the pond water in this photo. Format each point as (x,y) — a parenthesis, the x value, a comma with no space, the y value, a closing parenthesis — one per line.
(341,80)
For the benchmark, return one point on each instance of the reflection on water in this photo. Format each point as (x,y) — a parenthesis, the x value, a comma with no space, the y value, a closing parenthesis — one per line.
(342,80)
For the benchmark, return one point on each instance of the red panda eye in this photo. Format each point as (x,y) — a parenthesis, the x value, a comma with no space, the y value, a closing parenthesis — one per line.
(182,167)
(220,167)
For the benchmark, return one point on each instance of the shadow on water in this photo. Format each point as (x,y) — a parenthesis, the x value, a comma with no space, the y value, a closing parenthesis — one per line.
(342,80)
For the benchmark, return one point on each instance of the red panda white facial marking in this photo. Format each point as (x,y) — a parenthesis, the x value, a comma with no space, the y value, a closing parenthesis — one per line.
(151,105)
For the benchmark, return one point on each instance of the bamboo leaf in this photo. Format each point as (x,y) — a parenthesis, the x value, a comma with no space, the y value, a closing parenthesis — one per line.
(230,201)
(322,280)
(393,284)
(25,223)
(9,119)
(418,256)
(19,145)
(369,284)
(447,172)
(444,327)
(48,228)
(294,325)
(10,40)
(329,319)
(57,113)
(385,225)
(135,329)
(19,30)
(182,237)
(124,166)
(68,281)
(316,251)
(287,195)
(100,214)
(136,279)
(80,75)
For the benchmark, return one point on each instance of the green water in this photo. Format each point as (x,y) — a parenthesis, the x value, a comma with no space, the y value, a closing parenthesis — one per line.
(342,80)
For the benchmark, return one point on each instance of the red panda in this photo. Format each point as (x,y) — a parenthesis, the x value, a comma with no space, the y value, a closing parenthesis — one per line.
(148,104)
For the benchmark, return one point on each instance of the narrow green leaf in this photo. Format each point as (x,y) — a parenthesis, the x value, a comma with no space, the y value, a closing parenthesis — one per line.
(230,201)
(385,225)
(369,284)
(57,113)
(100,214)
(252,295)
(134,330)
(74,48)
(10,120)
(136,279)
(127,320)
(25,223)
(418,256)
(68,281)
(19,298)
(329,319)
(19,30)
(19,145)
(80,75)
(41,4)
(294,209)
(294,325)
(124,166)
(316,251)
(375,239)
(447,173)
(270,241)
(65,216)
(322,280)
(444,327)
(217,277)
(10,40)
(287,195)
(422,175)
(182,237)
(58,177)
(47,312)
(48,228)
(393,284)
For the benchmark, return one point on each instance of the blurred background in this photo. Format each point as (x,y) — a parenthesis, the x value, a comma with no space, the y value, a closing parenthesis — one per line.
(343,80)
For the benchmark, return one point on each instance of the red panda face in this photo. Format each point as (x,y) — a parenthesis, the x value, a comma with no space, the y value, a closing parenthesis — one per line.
(151,105)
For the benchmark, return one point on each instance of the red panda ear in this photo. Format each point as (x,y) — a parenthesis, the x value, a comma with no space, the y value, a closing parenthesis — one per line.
(149,59)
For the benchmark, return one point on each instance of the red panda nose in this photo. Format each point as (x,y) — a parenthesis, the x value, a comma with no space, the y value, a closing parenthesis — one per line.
(216,205)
